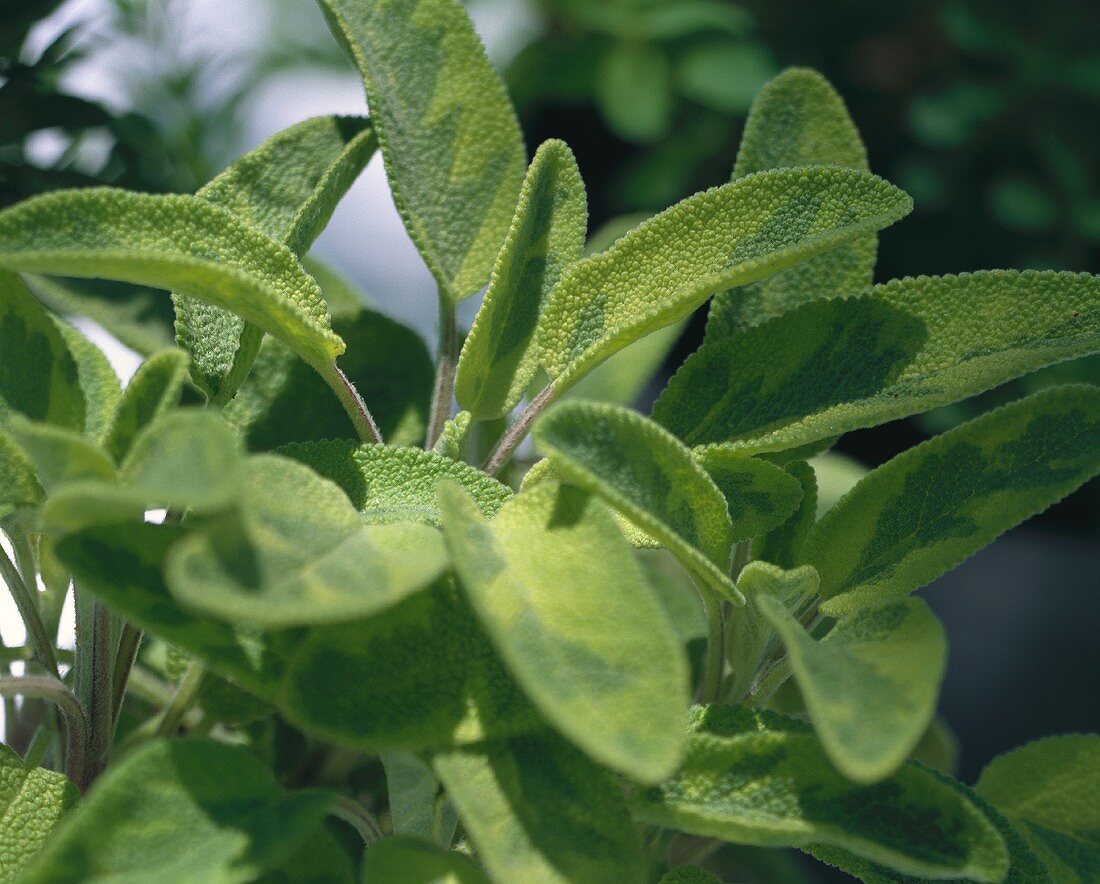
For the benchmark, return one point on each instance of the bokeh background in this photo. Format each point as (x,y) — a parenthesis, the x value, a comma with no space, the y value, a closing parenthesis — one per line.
(986,111)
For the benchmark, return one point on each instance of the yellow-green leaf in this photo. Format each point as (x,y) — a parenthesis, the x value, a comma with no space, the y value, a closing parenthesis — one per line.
(760,496)
(32,803)
(155,388)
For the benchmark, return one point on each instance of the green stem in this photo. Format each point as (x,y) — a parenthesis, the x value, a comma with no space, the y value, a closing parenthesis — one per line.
(357,816)
(770,681)
(509,442)
(45,687)
(186,693)
(128,644)
(27,605)
(710,691)
(101,693)
(446,366)
(353,403)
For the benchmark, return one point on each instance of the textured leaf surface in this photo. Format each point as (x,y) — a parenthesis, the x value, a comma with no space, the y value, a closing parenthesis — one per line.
(287,188)
(500,355)
(871,684)
(420,674)
(797,119)
(905,347)
(782,546)
(32,803)
(756,778)
(540,812)
(649,476)
(155,388)
(60,456)
(267,566)
(571,612)
(453,150)
(454,440)
(388,484)
(97,379)
(176,242)
(926,510)
(19,488)
(404,860)
(1048,791)
(194,811)
(760,496)
(728,236)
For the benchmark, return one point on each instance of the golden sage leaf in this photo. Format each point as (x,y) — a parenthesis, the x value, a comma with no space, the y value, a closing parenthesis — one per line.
(760,496)
(33,802)
(724,237)
(19,488)
(782,546)
(500,355)
(98,382)
(920,514)
(154,388)
(450,139)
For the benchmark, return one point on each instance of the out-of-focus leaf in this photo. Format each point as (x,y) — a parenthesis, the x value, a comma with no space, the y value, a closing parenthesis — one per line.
(404,860)
(634,91)
(155,388)
(726,76)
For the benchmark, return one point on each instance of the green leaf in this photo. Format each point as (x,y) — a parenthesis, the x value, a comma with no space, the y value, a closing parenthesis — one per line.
(417,807)
(760,496)
(500,357)
(574,619)
(782,546)
(388,484)
(19,488)
(194,810)
(174,242)
(452,146)
(938,748)
(98,382)
(735,234)
(283,400)
(929,508)
(32,803)
(750,636)
(689,875)
(623,377)
(871,684)
(649,476)
(60,456)
(404,860)
(905,347)
(155,387)
(454,439)
(267,567)
(634,90)
(1048,789)
(797,119)
(757,778)
(420,674)
(287,188)
(538,811)
(321,859)
(38,374)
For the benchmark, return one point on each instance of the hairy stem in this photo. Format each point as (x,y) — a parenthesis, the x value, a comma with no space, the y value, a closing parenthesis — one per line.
(710,690)
(509,442)
(357,816)
(128,644)
(446,365)
(101,692)
(353,403)
(28,610)
(45,687)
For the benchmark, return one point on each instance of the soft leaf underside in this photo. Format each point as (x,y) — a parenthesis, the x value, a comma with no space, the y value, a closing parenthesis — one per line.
(569,609)
(191,810)
(155,387)
(287,188)
(760,496)
(451,142)
(1048,790)
(904,347)
(757,778)
(181,243)
(725,237)
(649,476)
(798,119)
(32,803)
(540,812)
(404,860)
(388,484)
(922,513)
(278,571)
(500,355)
(871,684)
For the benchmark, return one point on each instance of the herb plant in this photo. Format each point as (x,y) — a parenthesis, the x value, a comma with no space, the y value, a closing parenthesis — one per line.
(305,614)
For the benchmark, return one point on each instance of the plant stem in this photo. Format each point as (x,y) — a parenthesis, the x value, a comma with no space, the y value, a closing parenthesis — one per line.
(770,681)
(710,691)
(446,365)
(128,644)
(357,816)
(172,714)
(353,403)
(101,692)
(509,442)
(28,611)
(45,687)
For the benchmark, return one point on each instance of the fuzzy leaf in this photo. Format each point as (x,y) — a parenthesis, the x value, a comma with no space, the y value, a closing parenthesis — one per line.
(797,119)
(454,440)
(728,236)
(174,242)
(60,456)
(689,875)
(574,619)
(19,488)
(760,496)
(155,387)
(1048,789)
(626,375)
(420,674)
(404,860)
(416,805)
(649,476)
(540,812)
(98,382)
(388,484)
(905,347)
(192,810)
(500,356)
(871,684)
(32,803)
(757,778)
(929,508)
(287,188)
(267,567)
(782,546)
(283,400)
(452,146)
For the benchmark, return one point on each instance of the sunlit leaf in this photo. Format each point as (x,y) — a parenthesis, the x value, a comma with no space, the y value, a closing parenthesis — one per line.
(32,803)
(760,496)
